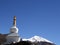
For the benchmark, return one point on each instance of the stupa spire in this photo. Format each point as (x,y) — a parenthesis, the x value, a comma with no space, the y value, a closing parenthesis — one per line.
(14,21)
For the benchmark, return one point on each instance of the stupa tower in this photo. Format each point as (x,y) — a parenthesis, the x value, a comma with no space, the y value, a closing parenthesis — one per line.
(13,36)
(14,29)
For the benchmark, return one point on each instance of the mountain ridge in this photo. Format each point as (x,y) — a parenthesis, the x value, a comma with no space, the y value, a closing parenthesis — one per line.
(37,39)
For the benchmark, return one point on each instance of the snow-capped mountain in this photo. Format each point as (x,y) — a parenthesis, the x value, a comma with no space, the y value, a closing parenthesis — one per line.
(37,39)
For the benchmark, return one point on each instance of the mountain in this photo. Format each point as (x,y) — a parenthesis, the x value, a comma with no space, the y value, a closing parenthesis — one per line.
(37,39)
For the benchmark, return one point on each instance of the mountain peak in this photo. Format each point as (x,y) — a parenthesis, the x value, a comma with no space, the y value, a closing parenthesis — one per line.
(37,39)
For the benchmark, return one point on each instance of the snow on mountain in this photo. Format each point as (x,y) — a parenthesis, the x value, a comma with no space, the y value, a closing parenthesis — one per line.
(37,39)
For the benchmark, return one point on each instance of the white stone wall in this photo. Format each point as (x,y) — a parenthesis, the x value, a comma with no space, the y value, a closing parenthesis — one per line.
(11,39)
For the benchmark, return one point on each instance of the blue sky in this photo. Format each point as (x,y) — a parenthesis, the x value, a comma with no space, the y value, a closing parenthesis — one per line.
(34,17)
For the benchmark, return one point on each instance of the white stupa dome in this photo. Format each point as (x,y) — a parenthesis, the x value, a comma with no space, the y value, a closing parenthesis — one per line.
(13,36)
(14,29)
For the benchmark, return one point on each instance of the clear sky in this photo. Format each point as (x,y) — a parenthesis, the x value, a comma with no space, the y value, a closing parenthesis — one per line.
(34,17)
